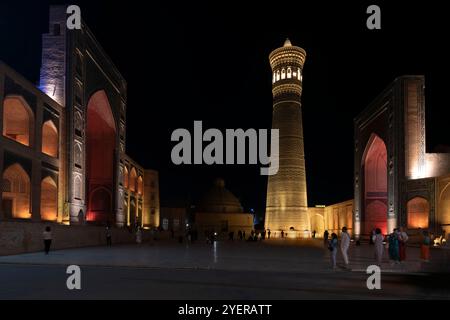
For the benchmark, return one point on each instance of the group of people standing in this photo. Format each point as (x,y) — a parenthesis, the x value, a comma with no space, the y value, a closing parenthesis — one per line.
(333,246)
(396,243)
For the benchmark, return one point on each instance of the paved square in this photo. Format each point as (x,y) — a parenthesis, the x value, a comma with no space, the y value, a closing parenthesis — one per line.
(225,270)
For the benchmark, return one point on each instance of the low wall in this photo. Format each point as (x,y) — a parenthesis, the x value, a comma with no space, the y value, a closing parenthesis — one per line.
(26,236)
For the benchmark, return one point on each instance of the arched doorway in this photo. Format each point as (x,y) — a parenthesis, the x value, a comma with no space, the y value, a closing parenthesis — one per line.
(375,185)
(16,194)
(50,139)
(132,182)
(49,199)
(418,211)
(125,177)
(318,225)
(133,218)
(444,210)
(100,147)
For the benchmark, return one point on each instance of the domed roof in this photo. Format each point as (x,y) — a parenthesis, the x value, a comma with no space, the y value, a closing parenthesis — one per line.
(287,43)
(219,200)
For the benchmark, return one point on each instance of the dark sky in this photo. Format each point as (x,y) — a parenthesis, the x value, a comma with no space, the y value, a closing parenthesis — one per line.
(186,62)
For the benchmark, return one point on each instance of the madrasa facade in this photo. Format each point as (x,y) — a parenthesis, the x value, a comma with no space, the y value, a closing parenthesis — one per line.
(62,149)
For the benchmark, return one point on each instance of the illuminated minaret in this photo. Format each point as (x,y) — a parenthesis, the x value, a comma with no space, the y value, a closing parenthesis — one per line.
(287,207)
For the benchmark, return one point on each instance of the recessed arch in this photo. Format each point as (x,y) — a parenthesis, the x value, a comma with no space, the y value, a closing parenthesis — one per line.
(125,177)
(140,185)
(49,199)
(375,185)
(18,119)
(418,212)
(133,179)
(100,145)
(444,208)
(16,192)
(50,139)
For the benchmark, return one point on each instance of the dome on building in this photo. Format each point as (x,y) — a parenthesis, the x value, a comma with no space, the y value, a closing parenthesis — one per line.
(287,43)
(219,200)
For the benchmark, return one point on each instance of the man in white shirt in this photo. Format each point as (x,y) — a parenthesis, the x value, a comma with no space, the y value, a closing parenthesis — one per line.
(345,244)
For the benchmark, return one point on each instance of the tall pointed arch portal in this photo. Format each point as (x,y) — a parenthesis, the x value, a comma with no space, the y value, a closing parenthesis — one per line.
(100,159)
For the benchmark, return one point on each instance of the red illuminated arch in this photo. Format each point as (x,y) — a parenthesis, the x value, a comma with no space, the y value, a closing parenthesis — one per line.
(375,185)
(100,147)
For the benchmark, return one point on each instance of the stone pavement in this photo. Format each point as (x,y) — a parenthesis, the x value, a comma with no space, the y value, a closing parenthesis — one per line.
(274,255)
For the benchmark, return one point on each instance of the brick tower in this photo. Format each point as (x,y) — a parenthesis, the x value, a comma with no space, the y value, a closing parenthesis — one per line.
(287,207)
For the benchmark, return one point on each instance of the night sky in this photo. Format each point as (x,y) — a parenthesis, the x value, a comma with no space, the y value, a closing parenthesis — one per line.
(186,62)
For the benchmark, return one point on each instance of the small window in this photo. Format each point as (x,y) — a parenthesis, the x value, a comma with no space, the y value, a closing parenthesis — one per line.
(289,73)
(152,210)
(165,224)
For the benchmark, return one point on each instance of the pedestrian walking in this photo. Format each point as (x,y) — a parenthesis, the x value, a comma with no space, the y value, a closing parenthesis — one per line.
(403,239)
(325,237)
(345,244)
(47,235)
(425,247)
(139,235)
(372,236)
(378,239)
(332,246)
(268,234)
(393,247)
(108,236)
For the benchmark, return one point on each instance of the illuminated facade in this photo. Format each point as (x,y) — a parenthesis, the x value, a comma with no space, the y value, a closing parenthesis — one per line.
(396,182)
(63,152)
(286,206)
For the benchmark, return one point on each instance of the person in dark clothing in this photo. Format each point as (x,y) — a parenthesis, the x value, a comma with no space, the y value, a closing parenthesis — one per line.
(108,236)
(325,237)
(47,235)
